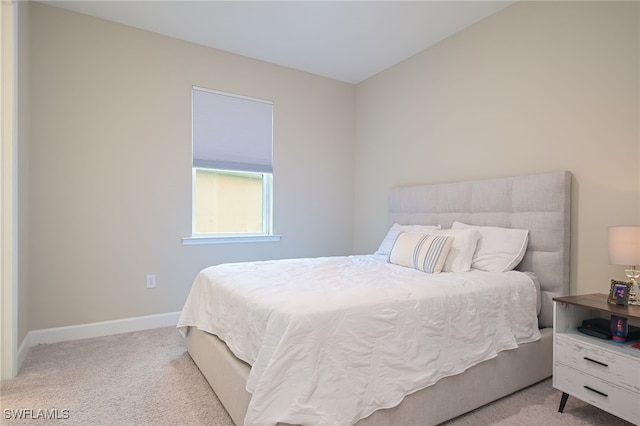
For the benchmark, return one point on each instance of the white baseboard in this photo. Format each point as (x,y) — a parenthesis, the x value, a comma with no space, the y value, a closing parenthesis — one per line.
(96,329)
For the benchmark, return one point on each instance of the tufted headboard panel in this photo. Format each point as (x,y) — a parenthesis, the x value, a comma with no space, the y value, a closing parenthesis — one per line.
(540,203)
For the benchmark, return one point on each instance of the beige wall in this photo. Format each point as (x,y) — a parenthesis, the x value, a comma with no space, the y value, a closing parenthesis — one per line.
(110,166)
(540,86)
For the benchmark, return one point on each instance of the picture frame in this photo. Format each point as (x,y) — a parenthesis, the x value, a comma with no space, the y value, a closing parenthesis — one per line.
(619,292)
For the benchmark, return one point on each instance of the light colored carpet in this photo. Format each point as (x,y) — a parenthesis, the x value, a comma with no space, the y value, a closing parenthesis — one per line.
(148,378)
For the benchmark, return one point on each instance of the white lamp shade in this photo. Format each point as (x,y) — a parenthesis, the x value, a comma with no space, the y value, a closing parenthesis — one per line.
(624,245)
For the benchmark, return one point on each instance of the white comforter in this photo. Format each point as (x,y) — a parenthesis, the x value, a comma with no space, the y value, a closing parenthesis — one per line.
(331,340)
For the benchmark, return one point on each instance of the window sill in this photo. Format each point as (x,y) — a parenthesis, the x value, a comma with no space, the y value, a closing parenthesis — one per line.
(228,239)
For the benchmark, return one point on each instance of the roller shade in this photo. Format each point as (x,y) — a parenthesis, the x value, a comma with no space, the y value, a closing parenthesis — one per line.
(231,132)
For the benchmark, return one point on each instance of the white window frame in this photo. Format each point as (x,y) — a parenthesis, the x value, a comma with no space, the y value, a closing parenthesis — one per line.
(267,207)
(266,235)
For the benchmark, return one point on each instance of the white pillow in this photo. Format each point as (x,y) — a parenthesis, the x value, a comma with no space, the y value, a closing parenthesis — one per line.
(462,250)
(424,252)
(499,249)
(394,231)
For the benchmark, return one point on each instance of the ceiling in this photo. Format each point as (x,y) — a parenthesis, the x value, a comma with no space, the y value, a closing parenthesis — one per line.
(348,41)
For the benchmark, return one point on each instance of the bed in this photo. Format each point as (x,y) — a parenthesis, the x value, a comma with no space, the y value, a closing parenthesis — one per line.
(539,204)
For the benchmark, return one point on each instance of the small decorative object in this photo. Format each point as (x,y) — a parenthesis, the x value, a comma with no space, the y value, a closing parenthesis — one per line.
(624,249)
(619,292)
(618,329)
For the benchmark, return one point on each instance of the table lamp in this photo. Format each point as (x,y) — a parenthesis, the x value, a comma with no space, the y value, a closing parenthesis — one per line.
(624,249)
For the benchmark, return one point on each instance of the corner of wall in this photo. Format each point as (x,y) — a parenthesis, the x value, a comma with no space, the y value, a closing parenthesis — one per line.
(8,198)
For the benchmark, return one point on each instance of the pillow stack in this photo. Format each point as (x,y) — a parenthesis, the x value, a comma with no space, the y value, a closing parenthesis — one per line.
(459,249)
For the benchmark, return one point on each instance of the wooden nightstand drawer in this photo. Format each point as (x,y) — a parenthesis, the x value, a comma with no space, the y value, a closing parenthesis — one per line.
(600,393)
(597,361)
(597,371)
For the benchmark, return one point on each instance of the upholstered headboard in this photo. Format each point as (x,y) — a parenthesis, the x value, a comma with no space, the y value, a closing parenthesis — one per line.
(540,203)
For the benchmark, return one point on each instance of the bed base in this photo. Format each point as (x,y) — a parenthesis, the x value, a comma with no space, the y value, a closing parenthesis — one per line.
(450,397)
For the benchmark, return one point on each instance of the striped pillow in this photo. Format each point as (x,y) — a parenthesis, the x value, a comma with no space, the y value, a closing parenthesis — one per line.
(424,252)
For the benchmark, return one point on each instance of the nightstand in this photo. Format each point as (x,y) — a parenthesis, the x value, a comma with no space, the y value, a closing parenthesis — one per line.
(600,372)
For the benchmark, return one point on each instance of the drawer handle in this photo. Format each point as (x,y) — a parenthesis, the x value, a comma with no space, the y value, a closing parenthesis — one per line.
(597,362)
(598,392)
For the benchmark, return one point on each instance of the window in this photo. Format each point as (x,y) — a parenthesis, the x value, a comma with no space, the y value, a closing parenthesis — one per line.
(232,166)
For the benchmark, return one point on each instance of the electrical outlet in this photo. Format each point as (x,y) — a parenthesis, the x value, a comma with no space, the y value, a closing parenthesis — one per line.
(151,281)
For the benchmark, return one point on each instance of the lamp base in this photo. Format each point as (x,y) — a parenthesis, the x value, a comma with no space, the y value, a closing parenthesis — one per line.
(634,293)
